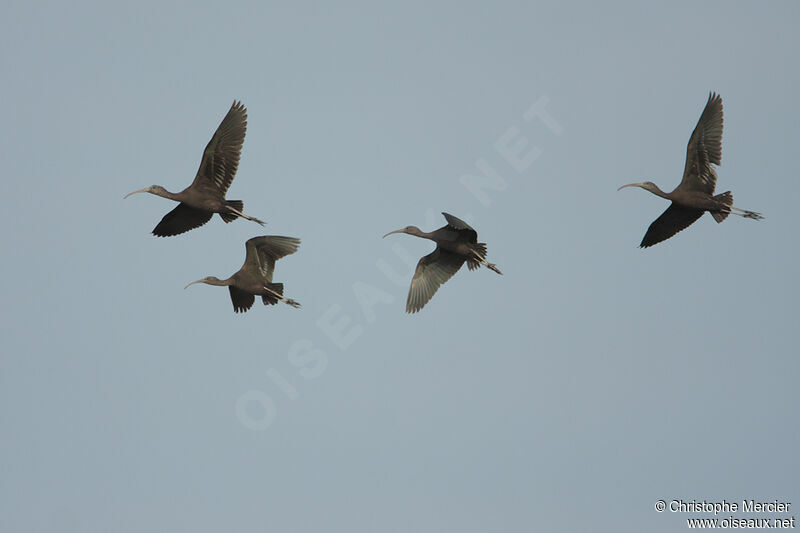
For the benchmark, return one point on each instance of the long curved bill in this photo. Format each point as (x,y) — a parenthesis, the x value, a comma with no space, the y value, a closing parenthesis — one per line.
(631,185)
(192,283)
(395,231)
(146,189)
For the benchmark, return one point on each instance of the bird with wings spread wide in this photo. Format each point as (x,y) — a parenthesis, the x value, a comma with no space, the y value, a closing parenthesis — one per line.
(456,243)
(255,276)
(206,195)
(695,193)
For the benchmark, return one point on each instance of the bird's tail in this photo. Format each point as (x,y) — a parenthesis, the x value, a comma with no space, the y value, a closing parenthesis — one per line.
(236,204)
(478,255)
(725,199)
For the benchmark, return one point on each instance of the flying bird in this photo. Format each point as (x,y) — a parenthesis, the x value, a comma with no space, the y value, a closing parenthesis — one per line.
(255,276)
(455,243)
(206,195)
(695,193)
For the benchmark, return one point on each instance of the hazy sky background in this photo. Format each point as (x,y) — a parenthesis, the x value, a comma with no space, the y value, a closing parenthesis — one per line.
(570,394)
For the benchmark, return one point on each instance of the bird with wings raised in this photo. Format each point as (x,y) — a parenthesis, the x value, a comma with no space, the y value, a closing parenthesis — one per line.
(255,276)
(695,193)
(456,243)
(206,195)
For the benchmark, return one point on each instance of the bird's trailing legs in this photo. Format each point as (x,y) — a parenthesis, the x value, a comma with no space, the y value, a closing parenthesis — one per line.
(281,297)
(239,213)
(482,260)
(746,214)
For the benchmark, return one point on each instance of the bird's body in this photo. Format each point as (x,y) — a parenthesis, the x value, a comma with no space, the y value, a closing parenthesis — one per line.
(695,193)
(206,195)
(255,276)
(456,243)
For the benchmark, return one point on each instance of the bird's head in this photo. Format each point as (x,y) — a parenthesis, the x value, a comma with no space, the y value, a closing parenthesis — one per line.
(158,190)
(209,280)
(411,230)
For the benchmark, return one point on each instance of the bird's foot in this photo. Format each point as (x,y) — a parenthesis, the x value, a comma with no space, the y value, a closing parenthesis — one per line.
(254,219)
(745,213)
(492,266)
(753,215)
(291,302)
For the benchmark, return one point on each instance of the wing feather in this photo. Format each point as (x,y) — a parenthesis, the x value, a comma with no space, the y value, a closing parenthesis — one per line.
(676,218)
(432,271)
(242,300)
(221,156)
(705,148)
(465,230)
(180,220)
(262,252)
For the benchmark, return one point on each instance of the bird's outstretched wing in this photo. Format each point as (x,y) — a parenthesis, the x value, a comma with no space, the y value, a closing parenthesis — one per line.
(242,300)
(432,271)
(704,149)
(671,221)
(262,252)
(221,156)
(180,220)
(455,222)
(458,224)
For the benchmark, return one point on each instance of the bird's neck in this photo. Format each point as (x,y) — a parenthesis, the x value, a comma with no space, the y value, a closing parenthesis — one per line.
(423,235)
(166,194)
(220,282)
(658,192)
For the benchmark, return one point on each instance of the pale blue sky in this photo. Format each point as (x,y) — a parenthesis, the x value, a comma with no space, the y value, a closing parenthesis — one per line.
(570,394)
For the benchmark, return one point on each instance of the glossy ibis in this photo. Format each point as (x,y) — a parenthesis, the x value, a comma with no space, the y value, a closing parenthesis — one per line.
(255,276)
(455,243)
(206,195)
(695,194)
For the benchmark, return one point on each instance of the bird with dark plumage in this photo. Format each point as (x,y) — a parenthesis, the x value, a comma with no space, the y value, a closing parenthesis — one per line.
(456,243)
(695,193)
(255,276)
(206,195)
